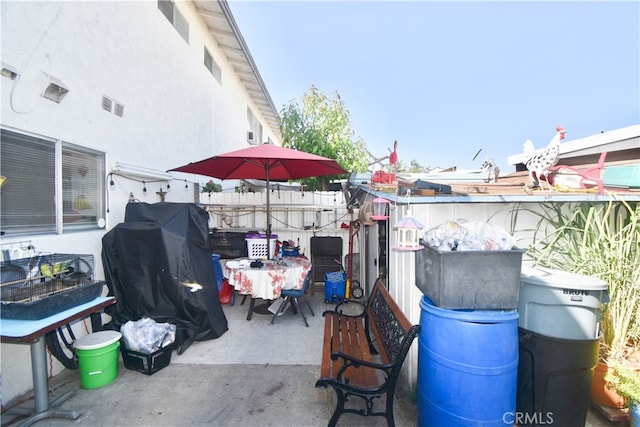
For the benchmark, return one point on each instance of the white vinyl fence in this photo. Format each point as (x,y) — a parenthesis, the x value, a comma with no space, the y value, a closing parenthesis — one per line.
(295,215)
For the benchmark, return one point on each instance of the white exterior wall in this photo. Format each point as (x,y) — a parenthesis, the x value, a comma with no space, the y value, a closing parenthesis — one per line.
(175,111)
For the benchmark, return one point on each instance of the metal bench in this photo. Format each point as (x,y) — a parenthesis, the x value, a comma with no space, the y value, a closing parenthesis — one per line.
(363,353)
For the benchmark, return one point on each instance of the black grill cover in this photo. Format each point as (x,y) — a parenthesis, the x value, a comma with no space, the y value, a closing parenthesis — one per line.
(150,261)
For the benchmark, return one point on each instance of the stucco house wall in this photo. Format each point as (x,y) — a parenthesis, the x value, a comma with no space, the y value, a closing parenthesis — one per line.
(175,110)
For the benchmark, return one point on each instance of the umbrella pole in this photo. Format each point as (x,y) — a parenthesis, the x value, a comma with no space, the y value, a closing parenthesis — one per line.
(269,254)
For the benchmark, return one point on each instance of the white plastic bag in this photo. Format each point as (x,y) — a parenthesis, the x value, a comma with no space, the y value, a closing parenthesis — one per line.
(469,236)
(146,335)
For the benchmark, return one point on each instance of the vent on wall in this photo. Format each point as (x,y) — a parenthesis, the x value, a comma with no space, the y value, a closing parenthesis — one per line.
(112,106)
(9,71)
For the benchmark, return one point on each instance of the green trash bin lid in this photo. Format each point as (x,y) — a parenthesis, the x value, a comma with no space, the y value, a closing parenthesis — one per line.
(97,340)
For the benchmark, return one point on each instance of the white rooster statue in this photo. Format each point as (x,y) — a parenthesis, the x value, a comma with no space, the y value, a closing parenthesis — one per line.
(541,163)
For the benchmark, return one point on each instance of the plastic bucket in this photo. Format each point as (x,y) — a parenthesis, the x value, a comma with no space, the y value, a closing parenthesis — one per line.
(554,379)
(467,366)
(98,358)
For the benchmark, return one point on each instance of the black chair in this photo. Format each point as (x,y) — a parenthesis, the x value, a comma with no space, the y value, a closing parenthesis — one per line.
(291,296)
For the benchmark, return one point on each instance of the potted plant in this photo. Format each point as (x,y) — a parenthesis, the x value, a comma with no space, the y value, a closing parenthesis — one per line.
(601,240)
(626,381)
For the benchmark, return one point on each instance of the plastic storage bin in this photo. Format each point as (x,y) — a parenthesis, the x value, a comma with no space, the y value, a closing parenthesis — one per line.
(483,280)
(554,379)
(98,358)
(561,304)
(147,363)
(335,284)
(257,246)
(467,366)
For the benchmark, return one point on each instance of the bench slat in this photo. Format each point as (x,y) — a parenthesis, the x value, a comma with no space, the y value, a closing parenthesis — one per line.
(325,369)
(354,343)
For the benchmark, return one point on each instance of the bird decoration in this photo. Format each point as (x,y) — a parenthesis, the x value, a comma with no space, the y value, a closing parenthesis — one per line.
(540,164)
(393,157)
(491,169)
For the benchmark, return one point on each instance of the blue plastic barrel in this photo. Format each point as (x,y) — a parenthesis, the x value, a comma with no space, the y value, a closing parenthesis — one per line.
(467,367)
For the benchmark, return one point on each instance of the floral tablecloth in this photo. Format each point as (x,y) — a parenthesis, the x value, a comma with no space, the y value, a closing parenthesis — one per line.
(268,281)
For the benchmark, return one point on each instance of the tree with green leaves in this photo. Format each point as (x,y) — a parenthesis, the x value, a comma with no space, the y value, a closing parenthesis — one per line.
(320,125)
(413,167)
(211,187)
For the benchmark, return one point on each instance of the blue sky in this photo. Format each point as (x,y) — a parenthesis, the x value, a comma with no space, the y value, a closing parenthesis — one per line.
(447,79)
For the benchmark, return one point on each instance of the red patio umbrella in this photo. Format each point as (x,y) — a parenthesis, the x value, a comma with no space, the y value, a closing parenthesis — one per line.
(266,162)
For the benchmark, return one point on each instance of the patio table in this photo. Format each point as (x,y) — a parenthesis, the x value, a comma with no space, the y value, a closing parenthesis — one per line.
(268,281)
(32,332)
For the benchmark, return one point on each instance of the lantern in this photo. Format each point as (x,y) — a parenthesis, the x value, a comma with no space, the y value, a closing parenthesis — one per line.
(380,209)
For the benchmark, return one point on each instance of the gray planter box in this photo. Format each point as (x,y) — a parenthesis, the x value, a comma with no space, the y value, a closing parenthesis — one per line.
(475,280)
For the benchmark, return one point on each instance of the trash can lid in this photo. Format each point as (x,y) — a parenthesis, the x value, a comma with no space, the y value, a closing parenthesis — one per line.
(561,279)
(97,340)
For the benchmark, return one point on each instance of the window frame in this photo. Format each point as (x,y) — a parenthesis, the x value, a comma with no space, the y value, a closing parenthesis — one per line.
(177,19)
(72,173)
(254,125)
(212,65)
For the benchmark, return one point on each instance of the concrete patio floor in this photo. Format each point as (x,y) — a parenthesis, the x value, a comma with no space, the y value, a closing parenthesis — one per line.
(256,374)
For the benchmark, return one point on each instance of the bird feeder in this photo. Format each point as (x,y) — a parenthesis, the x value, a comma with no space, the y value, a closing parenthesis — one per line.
(408,233)
(380,209)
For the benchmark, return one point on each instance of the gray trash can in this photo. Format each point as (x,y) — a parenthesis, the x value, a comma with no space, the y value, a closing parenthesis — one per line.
(560,304)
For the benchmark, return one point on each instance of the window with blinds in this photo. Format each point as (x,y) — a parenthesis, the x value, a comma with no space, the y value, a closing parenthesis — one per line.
(30,169)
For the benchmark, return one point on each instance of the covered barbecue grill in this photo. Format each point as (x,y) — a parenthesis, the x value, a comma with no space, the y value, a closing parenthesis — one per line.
(157,264)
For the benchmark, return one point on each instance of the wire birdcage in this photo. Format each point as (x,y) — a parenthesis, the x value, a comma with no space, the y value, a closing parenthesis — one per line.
(38,286)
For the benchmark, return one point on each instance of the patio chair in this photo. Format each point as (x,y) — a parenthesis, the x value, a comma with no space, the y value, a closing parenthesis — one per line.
(291,296)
